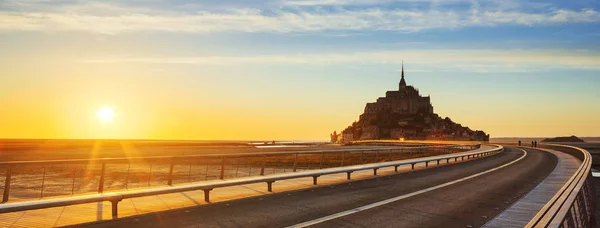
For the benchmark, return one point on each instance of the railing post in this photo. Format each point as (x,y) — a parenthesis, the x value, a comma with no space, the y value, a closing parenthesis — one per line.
(361,157)
(270,186)
(374,172)
(295,162)
(315,180)
(222,176)
(43,182)
(7,185)
(101,182)
(264,163)
(412,165)
(427,164)
(396,168)
(348,175)
(322,159)
(170,182)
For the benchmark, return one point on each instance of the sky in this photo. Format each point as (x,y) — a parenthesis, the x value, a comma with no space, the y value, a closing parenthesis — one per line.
(293,69)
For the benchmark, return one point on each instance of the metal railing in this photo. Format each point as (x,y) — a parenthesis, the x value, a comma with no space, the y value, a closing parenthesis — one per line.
(574,204)
(115,198)
(40,179)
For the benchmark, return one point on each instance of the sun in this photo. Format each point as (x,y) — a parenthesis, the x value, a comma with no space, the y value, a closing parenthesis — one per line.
(105,114)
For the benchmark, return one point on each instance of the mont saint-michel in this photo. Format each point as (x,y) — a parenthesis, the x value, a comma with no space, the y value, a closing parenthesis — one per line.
(405,114)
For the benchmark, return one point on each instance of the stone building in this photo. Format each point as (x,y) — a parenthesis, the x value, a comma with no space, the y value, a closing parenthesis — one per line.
(408,115)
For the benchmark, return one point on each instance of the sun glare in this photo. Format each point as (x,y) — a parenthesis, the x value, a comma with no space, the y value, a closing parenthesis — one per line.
(105,114)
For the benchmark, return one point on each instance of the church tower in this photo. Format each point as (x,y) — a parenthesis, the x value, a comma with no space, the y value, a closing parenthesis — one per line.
(402,81)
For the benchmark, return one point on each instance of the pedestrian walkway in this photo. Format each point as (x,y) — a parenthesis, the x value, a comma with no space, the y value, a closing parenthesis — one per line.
(519,214)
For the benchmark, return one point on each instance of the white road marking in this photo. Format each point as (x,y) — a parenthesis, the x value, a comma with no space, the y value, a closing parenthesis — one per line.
(387,201)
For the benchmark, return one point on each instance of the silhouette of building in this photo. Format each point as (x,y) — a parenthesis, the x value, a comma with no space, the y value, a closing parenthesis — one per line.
(405,114)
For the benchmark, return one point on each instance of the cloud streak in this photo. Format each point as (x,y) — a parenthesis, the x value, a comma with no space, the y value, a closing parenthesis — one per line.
(114,19)
(435,60)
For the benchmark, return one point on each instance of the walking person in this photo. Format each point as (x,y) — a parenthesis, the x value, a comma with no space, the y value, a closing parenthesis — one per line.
(535,144)
(519,142)
(532,144)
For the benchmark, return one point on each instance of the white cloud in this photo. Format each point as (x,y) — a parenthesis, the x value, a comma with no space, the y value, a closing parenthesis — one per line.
(113,19)
(431,60)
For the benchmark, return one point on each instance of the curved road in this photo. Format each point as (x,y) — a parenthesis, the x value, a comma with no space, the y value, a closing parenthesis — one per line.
(471,202)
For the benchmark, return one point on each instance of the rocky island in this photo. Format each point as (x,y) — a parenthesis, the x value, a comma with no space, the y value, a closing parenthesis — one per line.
(405,114)
(563,139)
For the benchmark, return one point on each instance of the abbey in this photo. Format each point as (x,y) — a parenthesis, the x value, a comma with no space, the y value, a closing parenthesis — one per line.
(405,114)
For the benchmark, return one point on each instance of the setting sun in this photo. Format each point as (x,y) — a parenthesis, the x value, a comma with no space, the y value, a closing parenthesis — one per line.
(105,114)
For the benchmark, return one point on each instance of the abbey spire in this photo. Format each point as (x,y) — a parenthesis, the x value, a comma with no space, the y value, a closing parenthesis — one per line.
(402,81)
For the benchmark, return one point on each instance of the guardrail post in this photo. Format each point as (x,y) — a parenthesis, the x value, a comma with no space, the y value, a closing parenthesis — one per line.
(6,185)
(264,163)
(448,160)
(270,186)
(222,176)
(207,195)
(170,182)
(295,162)
(348,175)
(427,164)
(396,168)
(101,182)
(438,162)
(115,210)
(412,165)
(374,172)
(315,180)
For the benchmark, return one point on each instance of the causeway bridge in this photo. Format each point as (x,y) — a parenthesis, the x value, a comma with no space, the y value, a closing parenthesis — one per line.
(388,185)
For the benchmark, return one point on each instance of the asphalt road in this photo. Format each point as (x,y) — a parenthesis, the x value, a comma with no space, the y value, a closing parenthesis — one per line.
(472,202)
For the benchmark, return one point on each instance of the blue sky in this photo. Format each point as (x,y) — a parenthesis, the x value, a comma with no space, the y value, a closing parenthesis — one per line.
(511,68)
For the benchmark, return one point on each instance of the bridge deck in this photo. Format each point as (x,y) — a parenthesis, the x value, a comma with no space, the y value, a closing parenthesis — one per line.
(85,213)
(520,213)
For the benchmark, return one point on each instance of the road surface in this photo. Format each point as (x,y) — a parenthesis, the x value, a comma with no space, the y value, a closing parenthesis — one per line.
(470,202)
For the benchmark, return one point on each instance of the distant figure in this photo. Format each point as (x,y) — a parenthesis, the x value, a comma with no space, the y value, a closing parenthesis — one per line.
(519,142)
(535,143)
(532,144)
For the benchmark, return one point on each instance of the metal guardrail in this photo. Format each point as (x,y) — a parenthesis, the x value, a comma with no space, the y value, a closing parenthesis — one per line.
(39,179)
(115,198)
(574,204)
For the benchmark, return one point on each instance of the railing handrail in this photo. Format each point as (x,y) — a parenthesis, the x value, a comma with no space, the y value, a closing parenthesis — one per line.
(114,198)
(554,212)
(227,155)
